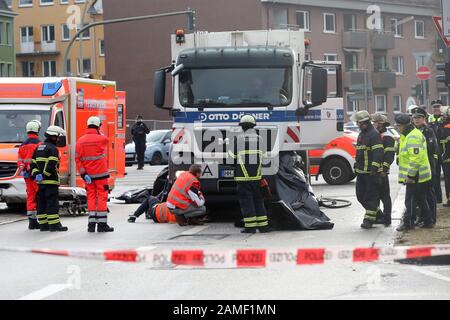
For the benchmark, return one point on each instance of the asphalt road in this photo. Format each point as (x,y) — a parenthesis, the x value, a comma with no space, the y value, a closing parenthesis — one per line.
(32,276)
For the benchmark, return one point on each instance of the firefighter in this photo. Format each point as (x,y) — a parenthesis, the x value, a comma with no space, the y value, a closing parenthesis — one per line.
(381,124)
(247,157)
(414,171)
(436,118)
(45,171)
(26,151)
(92,163)
(419,120)
(139,132)
(444,136)
(185,198)
(368,167)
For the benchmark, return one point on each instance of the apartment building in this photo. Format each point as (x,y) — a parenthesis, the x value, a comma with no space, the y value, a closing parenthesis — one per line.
(7,49)
(379,63)
(43,30)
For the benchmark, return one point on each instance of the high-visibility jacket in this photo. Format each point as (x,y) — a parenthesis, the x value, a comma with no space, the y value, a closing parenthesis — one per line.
(91,155)
(46,162)
(247,153)
(178,195)
(389,151)
(369,152)
(162,214)
(413,157)
(26,151)
(445,143)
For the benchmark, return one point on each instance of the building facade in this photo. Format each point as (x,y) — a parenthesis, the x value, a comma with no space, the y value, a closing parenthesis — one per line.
(43,30)
(379,60)
(7,49)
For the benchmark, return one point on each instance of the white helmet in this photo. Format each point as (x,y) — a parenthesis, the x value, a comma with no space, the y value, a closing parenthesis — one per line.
(33,126)
(411,108)
(446,111)
(248,119)
(55,131)
(94,121)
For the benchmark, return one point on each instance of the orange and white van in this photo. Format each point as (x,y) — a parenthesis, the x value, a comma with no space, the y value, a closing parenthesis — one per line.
(67,103)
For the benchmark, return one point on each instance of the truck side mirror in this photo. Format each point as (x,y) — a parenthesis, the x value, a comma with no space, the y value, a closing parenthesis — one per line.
(159,88)
(319,86)
(62,142)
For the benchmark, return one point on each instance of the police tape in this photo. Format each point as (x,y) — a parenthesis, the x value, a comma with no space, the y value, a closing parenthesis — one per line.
(249,257)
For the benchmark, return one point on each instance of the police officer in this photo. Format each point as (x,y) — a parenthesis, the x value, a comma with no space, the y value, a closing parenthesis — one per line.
(92,163)
(368,167)
(414,171)
(444,136)
(247,154)
(139,132)
(381,124)
(26,151)
(436,118)
(419,120)
(45,170)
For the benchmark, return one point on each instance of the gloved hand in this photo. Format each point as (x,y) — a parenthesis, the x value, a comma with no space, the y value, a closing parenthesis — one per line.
(39,178)
(25,174)
(88,179)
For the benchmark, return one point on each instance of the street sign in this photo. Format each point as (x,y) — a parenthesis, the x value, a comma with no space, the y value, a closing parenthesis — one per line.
(446,17)
(438,24)
(423,73)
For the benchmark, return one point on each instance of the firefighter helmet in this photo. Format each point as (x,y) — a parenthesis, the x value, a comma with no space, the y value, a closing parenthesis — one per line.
(33,126)
(248,120)
(361,116)
(380,118)
(94,121)
(55,131)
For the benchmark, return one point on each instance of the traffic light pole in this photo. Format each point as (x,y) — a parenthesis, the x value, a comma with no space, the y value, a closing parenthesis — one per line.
(191,25)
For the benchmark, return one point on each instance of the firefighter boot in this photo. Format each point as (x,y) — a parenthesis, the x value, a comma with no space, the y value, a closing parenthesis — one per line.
(266,229)
(103,227)
(58,228)
(367,224)
(132,219)
(380,217)
(44,227)
(91,227)
(33,224)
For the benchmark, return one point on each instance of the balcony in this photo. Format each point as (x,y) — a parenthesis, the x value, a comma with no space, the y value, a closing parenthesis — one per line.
(384,80)
(354,80)
(27,47)
(383,41)
(43,48)
(354,39)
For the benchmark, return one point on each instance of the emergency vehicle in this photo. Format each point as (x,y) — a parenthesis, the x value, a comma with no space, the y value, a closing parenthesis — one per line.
(67,103)
(218,77)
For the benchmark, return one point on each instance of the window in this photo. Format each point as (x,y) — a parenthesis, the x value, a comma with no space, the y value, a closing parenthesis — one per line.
(59,120)
(86,35)
(303,20)
(419,29)
(10,70)
(27,69)
(120,116)
(46,2)
(329,23)
(308,56)
(444,98)
(351,61)
(25,3)
(1,32)
(48,33)
(380,64)
(330,57)
(86,66)
(352,104)
(1,69)
(102,48)
(49,68)
(398,65)
(26,34)
(397,29)
(397,106)
(8,33)
(68,67)
(350,22)
(380,103)
(64,1)
(65,32)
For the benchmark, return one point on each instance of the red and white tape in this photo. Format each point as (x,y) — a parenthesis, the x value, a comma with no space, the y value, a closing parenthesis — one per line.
(248,258)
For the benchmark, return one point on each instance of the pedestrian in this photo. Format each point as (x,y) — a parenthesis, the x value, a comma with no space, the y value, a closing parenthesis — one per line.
(435,122)
(139,132)
(247,157)
(414,171)
(368,168)
(381,124)
(45,171)
(445,145)
(419,120)
(185,197)
(92,163)
(26,151)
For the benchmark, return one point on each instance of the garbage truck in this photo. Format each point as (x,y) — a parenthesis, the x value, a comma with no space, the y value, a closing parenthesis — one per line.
(68,103)
(218,77)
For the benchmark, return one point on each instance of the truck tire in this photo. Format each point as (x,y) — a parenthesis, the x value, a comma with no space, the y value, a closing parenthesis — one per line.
(336,171)
(157,159)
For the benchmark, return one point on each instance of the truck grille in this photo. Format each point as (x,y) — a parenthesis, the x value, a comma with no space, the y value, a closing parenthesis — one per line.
(7,169)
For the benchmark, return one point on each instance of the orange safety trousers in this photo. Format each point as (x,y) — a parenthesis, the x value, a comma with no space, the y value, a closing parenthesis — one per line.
(32,190)
(97,195)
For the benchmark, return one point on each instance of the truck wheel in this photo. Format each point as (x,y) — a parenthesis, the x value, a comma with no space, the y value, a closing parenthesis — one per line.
(336,172)
(156,159)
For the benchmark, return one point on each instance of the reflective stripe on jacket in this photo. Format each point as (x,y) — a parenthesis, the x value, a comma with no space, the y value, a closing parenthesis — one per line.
(91,155)
(162,214)
(26,151)
(46,162)
(247,153)
(389,151)
(178,195)
(369,152)
(413,157)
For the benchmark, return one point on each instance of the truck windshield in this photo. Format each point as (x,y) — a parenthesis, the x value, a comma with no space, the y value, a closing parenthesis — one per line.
(226,87)
(13,121)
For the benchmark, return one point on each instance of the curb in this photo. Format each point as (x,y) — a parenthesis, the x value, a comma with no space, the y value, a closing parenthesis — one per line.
(12,221)
(428,261)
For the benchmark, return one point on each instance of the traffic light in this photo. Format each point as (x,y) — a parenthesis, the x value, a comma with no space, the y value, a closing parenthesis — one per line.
(416,91)
(444,78)
(191,21)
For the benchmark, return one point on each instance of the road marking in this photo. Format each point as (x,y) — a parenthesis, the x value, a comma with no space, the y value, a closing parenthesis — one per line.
(46,292)
(430,273)
(193,231)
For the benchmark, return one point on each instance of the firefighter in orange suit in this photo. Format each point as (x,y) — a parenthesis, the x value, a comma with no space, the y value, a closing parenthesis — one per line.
(26,151)
(92,163)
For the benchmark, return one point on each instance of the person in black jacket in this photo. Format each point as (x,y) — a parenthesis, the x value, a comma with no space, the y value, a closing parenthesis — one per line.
(368,167)
(139,132)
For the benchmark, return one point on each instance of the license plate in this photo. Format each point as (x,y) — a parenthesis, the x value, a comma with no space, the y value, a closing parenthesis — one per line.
(227,173)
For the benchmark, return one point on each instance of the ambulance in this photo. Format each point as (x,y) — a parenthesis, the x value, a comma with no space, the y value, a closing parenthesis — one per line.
(67,103)
(218,77)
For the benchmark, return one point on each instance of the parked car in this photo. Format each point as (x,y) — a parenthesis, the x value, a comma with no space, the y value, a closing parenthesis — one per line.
(157,151)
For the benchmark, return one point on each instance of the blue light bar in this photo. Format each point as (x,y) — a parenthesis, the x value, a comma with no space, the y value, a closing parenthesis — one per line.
(51,88)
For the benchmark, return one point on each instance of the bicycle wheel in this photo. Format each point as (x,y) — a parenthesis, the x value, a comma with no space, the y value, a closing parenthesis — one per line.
(334,203)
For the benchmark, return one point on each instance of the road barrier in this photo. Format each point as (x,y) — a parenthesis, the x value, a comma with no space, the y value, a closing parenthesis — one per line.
(247,258)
